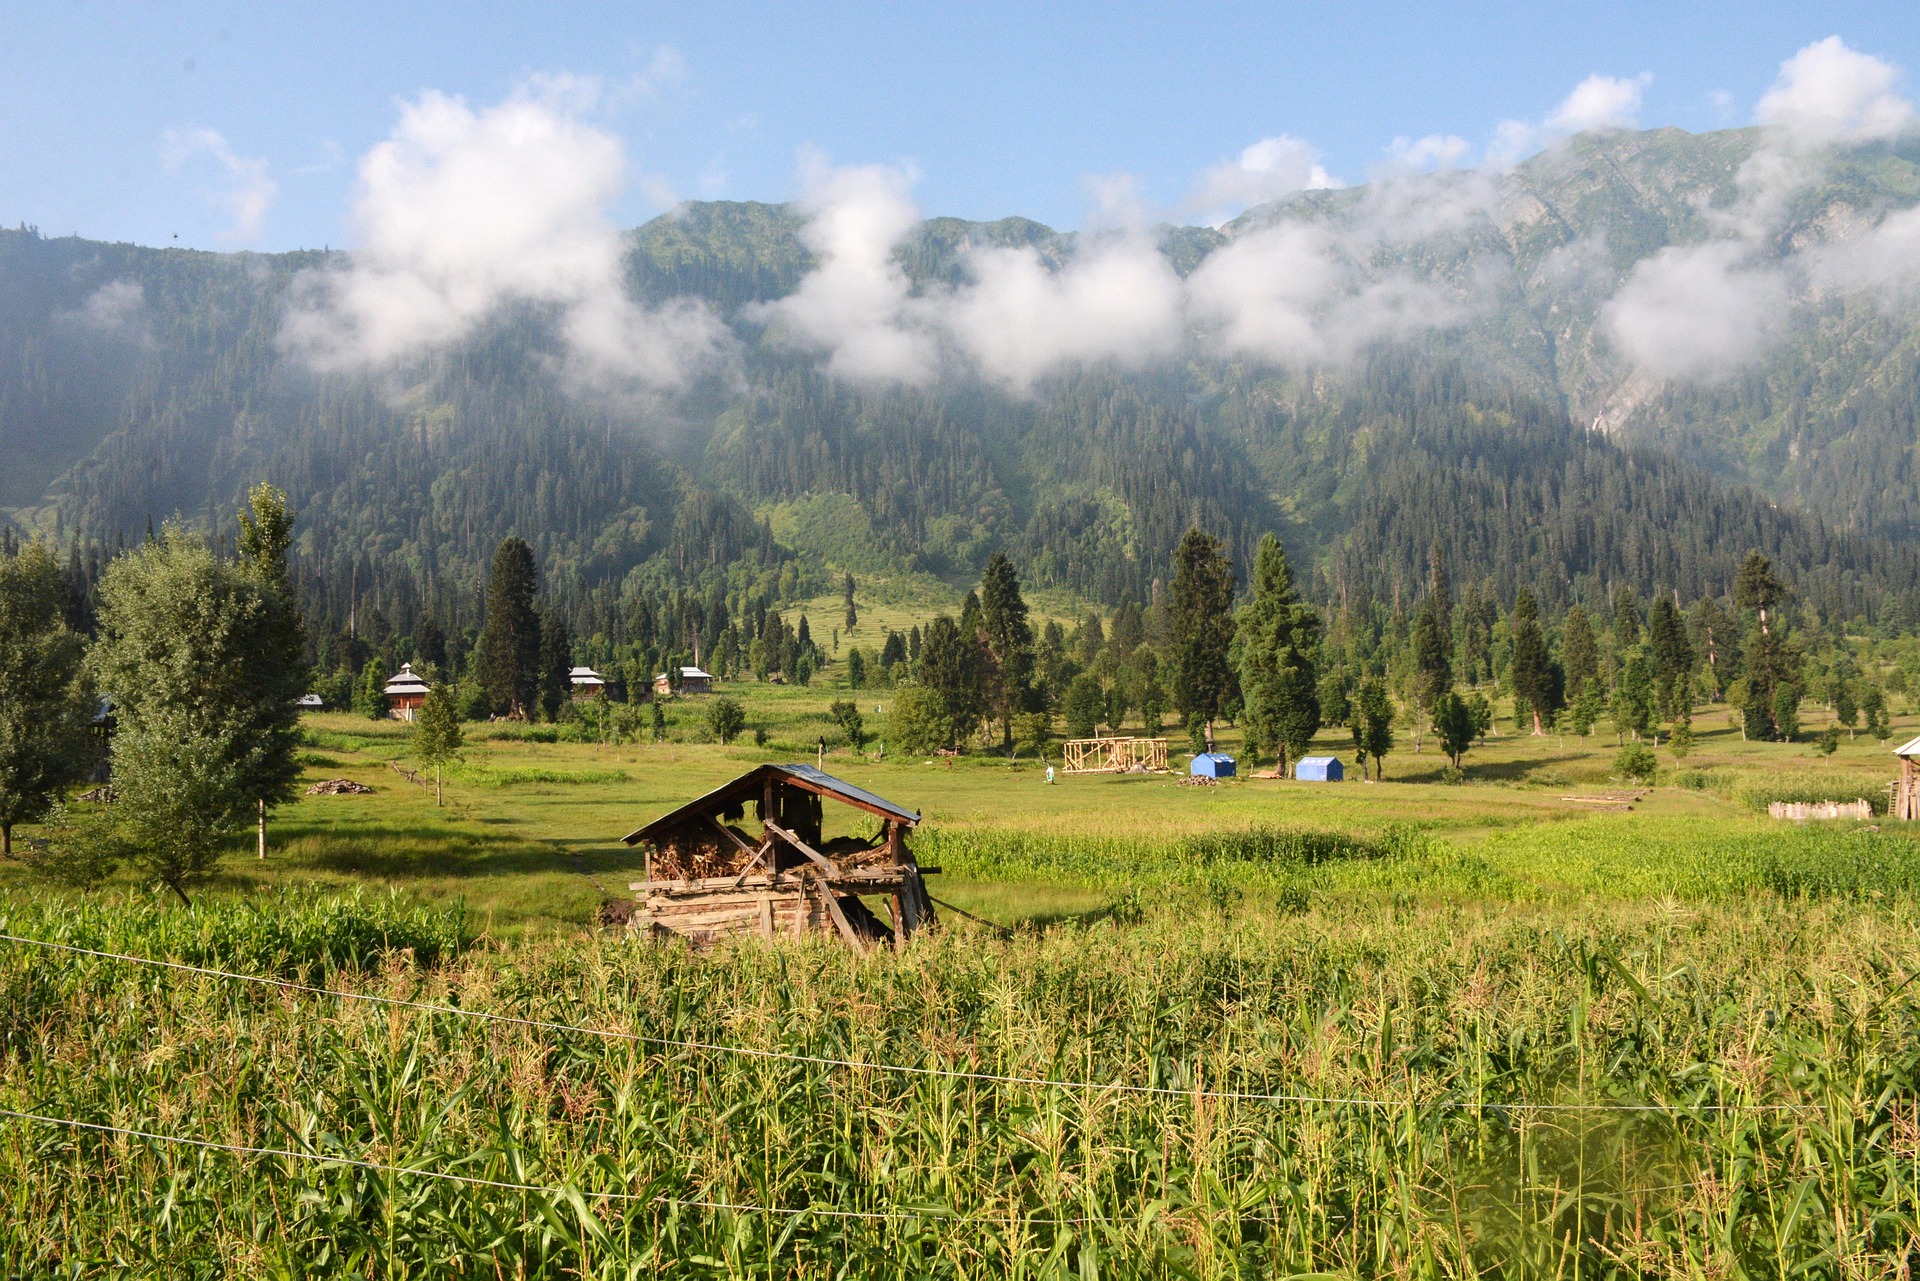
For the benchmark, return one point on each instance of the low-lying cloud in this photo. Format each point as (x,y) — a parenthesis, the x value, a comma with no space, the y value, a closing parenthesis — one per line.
(1703,312)
(242,188)
(461,212)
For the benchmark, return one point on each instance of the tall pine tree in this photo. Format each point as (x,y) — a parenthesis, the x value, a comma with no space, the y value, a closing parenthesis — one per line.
(1278,639)
(1202,625)
(510,645)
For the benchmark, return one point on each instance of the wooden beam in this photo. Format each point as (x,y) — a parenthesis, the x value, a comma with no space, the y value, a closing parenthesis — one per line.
(840,920)
(830,867)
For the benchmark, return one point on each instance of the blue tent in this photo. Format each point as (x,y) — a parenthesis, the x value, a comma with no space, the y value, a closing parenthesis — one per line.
(1212,765)
(1320,769)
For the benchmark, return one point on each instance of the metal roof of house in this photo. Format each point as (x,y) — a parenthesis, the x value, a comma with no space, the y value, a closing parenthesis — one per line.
(405,681)
(1911,748)
(585,676)
(748,787)
(1317,760)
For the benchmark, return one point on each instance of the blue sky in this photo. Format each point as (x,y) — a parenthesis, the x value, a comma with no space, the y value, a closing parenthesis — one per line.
(235,126)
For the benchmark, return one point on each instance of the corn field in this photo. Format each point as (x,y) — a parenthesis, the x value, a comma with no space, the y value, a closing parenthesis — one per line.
(1367,1087)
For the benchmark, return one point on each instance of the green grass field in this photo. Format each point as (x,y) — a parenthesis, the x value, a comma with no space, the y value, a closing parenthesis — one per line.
(1260,1029)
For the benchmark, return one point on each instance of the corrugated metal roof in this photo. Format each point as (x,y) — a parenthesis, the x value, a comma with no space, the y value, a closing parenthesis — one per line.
(1908,749)
(747,787)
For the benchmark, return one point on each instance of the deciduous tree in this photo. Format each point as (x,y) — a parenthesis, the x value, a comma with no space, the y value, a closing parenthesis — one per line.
(45,702)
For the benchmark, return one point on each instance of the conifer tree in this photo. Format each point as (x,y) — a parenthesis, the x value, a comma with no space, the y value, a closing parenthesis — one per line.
(556,665)
(1626,617)
(1579,653)
(510,645)
(1009,638)
(266,534)
(1672,660)
(950,668)
(1535,681)
(1202,625)
(1373,723)
(1277,638)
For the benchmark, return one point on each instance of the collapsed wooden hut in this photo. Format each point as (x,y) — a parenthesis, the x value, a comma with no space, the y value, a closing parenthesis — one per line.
(708,879)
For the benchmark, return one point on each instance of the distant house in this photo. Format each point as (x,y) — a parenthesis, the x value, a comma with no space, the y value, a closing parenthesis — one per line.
(1320,769)
(310,702)
(586,682)
(1212,765)
(405,693)
(692,681)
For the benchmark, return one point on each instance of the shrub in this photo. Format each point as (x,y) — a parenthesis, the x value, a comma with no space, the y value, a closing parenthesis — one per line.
(1635,761)
(726,718)
(919,723)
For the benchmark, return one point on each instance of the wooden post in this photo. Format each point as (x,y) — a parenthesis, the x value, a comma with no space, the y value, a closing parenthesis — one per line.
(263,831)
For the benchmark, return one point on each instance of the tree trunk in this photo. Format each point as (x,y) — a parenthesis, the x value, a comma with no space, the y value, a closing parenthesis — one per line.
(1536,722)
(263,830)
(437,800)
(180,894)
(6,840)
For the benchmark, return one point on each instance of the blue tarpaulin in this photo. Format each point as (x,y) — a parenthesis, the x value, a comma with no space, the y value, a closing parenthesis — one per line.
(1212,765)
(1320,769)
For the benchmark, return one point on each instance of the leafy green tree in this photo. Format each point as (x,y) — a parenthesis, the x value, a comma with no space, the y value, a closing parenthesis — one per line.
(1827,741)
(45,700)
(1373,723)
(856,668)
(726,718)
(556,665)
(1083,706)
(1202,625)
(846,714)
(1873,705)
(1336,696)
(1786,711)
(852,614)
(1587,708)
(1846,707)
(950,667)
(510,645)
(1009,637)
(190,650)
(1635,762)
(919,723)
(1277,637)
(1579,652)
(1535,681)
(658,722)
(1153,704)
(1036,731)
(1680,742)
(1456,725)
(436,734)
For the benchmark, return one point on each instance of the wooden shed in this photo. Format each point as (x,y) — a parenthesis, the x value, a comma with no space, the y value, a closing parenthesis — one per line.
(708,879)
(1906,788)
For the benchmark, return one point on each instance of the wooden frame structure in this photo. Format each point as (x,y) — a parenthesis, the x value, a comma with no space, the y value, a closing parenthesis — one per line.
(707,879)
(1115,755)
(1905,802)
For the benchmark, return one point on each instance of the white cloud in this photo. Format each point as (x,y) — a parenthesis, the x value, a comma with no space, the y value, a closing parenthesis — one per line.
(1698,312)
(1267,170)
(1601,102)
(1828,93)
(1118,300)
(1306,292)
(1436,151)
(117,309)
(1598,102)
(855,307)
(1885,260)
(461,212)
(245,192)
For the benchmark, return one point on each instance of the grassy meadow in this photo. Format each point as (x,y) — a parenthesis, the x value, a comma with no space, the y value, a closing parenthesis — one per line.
(1267,1028)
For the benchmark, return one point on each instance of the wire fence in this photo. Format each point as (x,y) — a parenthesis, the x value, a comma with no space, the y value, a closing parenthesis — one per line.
(992,1078)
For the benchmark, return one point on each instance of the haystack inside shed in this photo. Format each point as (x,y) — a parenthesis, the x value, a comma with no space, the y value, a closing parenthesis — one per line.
(708,878)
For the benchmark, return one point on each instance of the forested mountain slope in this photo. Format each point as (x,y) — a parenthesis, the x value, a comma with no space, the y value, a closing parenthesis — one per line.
(1506,426)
